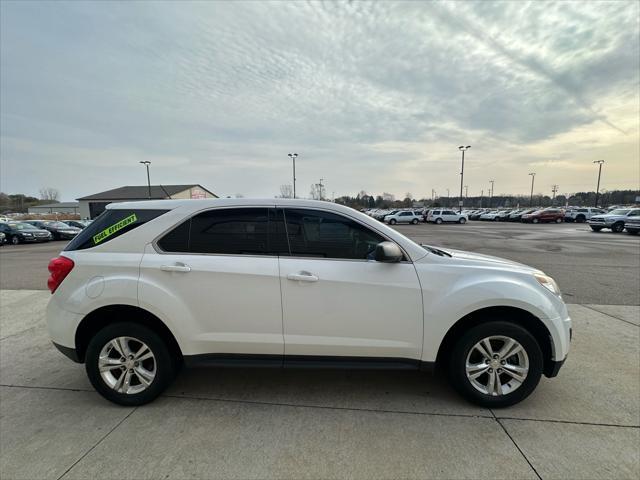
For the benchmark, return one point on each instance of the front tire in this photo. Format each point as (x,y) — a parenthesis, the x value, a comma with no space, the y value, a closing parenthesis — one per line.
(496,364)
(462,221)
(414,221)
(15,240)
(438,221)
(535,220)
(617,227)
(558,220)
(392,221)
(129,364)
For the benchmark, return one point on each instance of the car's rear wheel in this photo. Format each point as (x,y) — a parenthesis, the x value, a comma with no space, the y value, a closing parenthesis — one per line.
(580,219)
(617,227)
(496,364)
(414,221)
(558,220)
(129,364)
(535,220)
(462,220)
(392,221)
(438,221)
(15,240)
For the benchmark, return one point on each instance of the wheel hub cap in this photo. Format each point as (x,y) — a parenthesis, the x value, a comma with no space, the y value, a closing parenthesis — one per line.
(497,365)
(127,365)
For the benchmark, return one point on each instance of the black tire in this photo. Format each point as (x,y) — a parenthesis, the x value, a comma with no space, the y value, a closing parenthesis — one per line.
(392,221)
(438,221)
(166,364)
(15,240)
(617,227)
(535,220)
(462,221)
(581,219)
(558,220)
(457,360)
(414,221)
(596,229)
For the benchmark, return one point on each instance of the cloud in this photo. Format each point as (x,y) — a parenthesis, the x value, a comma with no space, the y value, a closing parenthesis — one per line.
(373,95)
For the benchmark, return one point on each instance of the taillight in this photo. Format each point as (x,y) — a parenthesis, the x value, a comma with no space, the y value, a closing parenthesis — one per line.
(59,268)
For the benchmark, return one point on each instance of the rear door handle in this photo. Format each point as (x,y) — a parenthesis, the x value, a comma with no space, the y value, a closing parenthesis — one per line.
(179,267)
(302,277)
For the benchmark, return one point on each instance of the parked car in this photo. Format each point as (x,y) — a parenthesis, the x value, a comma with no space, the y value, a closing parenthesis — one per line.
(77,223)
(614,220)
(439,216)
(20,232)
(476,214)
(3,238)
(503,215)
(59,230)
(632,225)
(407,216)
(516,215)
(581,214)
(152,285)
(490,215)
(547,215)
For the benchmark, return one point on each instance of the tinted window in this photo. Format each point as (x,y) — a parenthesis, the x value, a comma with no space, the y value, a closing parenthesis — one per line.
(236,231)
(177,240)
(313,233)
(111,224)
(448,212)
(406,214)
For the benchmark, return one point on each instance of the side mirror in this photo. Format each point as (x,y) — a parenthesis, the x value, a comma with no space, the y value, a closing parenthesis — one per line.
(388,252)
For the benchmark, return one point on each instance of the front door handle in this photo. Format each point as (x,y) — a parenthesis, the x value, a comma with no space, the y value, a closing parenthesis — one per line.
(178,267)
(302,277)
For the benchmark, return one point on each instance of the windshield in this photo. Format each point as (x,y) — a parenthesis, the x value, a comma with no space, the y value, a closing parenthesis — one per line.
(22,226)
(619,211)
(57,225)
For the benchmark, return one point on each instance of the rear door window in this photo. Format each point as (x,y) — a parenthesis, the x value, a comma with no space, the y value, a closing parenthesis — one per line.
(111,224)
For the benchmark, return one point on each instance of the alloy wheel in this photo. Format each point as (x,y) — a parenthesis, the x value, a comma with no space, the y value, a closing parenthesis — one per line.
(127,365)
(497,365)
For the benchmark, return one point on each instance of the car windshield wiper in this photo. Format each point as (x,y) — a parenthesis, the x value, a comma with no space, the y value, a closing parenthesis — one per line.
(437,251)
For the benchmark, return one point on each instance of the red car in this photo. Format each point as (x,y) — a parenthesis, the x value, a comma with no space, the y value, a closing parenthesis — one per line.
(546,215)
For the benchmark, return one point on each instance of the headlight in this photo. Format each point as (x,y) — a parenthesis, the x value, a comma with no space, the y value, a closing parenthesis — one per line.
(548,283)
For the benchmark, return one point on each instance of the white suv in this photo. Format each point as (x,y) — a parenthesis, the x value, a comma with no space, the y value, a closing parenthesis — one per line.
(151,285)
(441,216)
(581,215)
(403,216)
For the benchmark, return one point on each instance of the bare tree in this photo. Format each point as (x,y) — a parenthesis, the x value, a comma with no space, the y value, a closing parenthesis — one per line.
(286,191)
(316,191)
(49,193)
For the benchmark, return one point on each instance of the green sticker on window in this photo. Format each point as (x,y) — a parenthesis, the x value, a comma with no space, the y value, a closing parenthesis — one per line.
(107,232)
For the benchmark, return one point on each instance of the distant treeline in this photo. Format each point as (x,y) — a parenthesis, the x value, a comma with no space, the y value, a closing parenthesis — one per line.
(613,197)
(19,203)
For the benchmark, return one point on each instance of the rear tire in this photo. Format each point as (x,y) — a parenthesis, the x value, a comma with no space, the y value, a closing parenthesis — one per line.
(462,221)
(159,370)
(392,221)
(558,220)
(15,240)
(580,219)
(535,220)
(438,221)
(510,390)
(414,221)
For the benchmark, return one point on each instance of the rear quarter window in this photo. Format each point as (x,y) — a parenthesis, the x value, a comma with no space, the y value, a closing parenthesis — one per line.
(111,224)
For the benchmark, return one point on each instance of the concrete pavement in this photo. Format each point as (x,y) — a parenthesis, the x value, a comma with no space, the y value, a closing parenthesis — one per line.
(216,423)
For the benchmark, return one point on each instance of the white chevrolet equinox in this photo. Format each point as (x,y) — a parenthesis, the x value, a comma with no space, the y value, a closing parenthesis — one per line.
(150,286)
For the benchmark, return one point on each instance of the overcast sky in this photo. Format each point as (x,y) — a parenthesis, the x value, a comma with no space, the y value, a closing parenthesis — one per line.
(374,96)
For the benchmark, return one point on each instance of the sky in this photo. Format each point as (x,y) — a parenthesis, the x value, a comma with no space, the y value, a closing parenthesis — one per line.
(373,96)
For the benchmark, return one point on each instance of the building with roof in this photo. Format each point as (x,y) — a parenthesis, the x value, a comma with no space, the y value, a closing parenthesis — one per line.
(59,207)
(93,205)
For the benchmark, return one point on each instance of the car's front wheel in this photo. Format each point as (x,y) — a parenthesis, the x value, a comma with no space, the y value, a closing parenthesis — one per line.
(15,240)
(496,364)
(392,221)
(535,220)
(558,220)
(414,221)
(129,364)
(438,221)
(617,227)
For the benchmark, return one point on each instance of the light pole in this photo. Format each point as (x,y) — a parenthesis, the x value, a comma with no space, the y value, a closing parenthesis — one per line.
(466,192)
(491,192)
(146,163)
(448,202)
(463,149)
(599,162)
(533,177)
(293,157)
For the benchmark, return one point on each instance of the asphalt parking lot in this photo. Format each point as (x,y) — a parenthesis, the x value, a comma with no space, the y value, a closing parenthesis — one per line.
(239,423)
